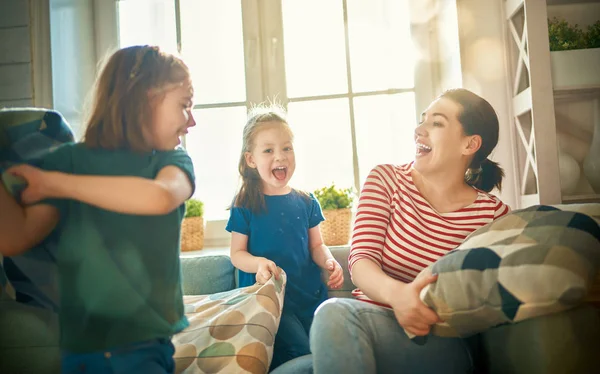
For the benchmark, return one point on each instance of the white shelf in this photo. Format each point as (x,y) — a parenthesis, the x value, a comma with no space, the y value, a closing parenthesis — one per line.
(575,70)
(591,198)
(570,2)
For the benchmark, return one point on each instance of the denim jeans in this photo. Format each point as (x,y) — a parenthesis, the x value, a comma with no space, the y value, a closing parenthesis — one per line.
(291,340)
(149,357)
(350,336)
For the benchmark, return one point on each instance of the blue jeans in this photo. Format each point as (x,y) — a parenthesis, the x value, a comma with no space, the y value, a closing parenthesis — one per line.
(350,336)
(149,357)
(291,340)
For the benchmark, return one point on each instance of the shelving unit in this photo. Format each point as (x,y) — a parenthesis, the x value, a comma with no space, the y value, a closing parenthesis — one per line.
(541,90)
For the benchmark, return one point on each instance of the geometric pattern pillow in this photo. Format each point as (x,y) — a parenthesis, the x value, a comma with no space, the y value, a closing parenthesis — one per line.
(232,331)
(26,136)
(528,263)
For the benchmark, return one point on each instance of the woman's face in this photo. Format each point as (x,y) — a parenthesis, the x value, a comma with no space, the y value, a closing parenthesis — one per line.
(440,140)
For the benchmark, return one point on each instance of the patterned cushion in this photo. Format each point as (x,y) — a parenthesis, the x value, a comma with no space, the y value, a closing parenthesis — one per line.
(27,135)
(230,332)
(531,262)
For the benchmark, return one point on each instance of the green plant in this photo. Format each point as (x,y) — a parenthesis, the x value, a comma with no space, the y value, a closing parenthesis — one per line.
(194,208)
(593,35)
(331,197)
(564,36)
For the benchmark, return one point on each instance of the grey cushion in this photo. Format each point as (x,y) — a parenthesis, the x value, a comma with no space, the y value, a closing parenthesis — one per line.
(341,256)
(205,275)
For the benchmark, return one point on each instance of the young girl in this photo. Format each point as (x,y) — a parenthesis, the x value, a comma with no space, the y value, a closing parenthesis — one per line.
(274,225)
(116,201)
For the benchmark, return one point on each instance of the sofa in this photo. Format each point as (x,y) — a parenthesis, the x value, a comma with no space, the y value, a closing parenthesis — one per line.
(566,342)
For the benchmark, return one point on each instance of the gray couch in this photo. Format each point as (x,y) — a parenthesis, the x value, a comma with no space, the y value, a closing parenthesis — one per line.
(567,342)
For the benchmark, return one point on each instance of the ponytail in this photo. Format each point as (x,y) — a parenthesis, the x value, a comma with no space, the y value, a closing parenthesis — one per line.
(487,176)
(250,194)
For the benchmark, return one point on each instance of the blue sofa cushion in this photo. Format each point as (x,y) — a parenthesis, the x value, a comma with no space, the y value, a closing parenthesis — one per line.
(206,275)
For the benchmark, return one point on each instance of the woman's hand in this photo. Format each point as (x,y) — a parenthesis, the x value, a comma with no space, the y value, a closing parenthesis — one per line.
(414,316)
(336,273)
(39,183)
(266,269)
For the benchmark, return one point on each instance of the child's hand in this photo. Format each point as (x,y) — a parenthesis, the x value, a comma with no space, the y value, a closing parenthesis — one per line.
(336,274)
(266,269)
(38,183)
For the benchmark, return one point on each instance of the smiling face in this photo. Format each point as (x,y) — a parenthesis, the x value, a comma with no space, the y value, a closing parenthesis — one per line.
(440,140)
(272,155)
(172,116)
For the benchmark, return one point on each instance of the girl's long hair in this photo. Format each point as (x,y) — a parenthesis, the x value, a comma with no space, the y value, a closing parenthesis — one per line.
(130,84)
(250,194)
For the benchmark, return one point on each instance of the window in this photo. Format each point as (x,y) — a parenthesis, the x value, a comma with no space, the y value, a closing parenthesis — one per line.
(345,70)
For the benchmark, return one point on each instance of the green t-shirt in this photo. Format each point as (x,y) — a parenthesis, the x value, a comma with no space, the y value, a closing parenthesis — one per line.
(119,274)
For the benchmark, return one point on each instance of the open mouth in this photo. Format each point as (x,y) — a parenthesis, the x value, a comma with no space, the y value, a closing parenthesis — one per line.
(280,172)
(422,149)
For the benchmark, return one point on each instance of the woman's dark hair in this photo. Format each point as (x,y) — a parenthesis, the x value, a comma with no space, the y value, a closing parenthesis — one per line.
(479,118)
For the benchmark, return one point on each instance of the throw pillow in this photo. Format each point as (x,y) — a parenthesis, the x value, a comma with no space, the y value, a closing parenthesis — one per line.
(230,332)
(531,262)
(26,136)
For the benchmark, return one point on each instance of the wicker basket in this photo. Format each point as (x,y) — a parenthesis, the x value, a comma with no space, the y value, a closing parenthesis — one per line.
(336,228)
(192,234)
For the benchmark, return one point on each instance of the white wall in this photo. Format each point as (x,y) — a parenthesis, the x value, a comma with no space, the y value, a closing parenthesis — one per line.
(583,14)
(480,65)
(449,74)
(16,86)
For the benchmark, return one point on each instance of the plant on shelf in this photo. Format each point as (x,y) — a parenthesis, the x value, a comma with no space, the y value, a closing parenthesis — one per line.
(593,35)
(192,227)
(194,208)
(336,204)
(563,36)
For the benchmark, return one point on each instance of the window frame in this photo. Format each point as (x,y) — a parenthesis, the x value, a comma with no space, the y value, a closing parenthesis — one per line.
(264,80)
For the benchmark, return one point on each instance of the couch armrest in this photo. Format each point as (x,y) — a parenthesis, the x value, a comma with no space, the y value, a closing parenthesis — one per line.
(205,275)
(565,342)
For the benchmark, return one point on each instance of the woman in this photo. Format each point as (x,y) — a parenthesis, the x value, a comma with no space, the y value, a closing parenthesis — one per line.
(409,216)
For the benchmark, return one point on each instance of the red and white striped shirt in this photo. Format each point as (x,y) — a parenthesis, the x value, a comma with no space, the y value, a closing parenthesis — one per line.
(398,229)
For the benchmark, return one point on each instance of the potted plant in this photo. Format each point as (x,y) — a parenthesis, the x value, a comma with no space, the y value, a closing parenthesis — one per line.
(192,228)
(335,203)
(574,54)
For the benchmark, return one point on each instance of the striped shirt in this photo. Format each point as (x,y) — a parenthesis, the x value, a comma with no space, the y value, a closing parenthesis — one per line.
(398,229)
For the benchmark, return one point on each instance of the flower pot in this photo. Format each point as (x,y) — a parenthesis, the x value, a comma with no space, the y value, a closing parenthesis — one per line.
(336,228)
(192,234)
(575,69)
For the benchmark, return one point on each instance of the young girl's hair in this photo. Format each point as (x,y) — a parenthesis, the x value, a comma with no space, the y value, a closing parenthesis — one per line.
(130,84)
(250,192)
(479,118)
